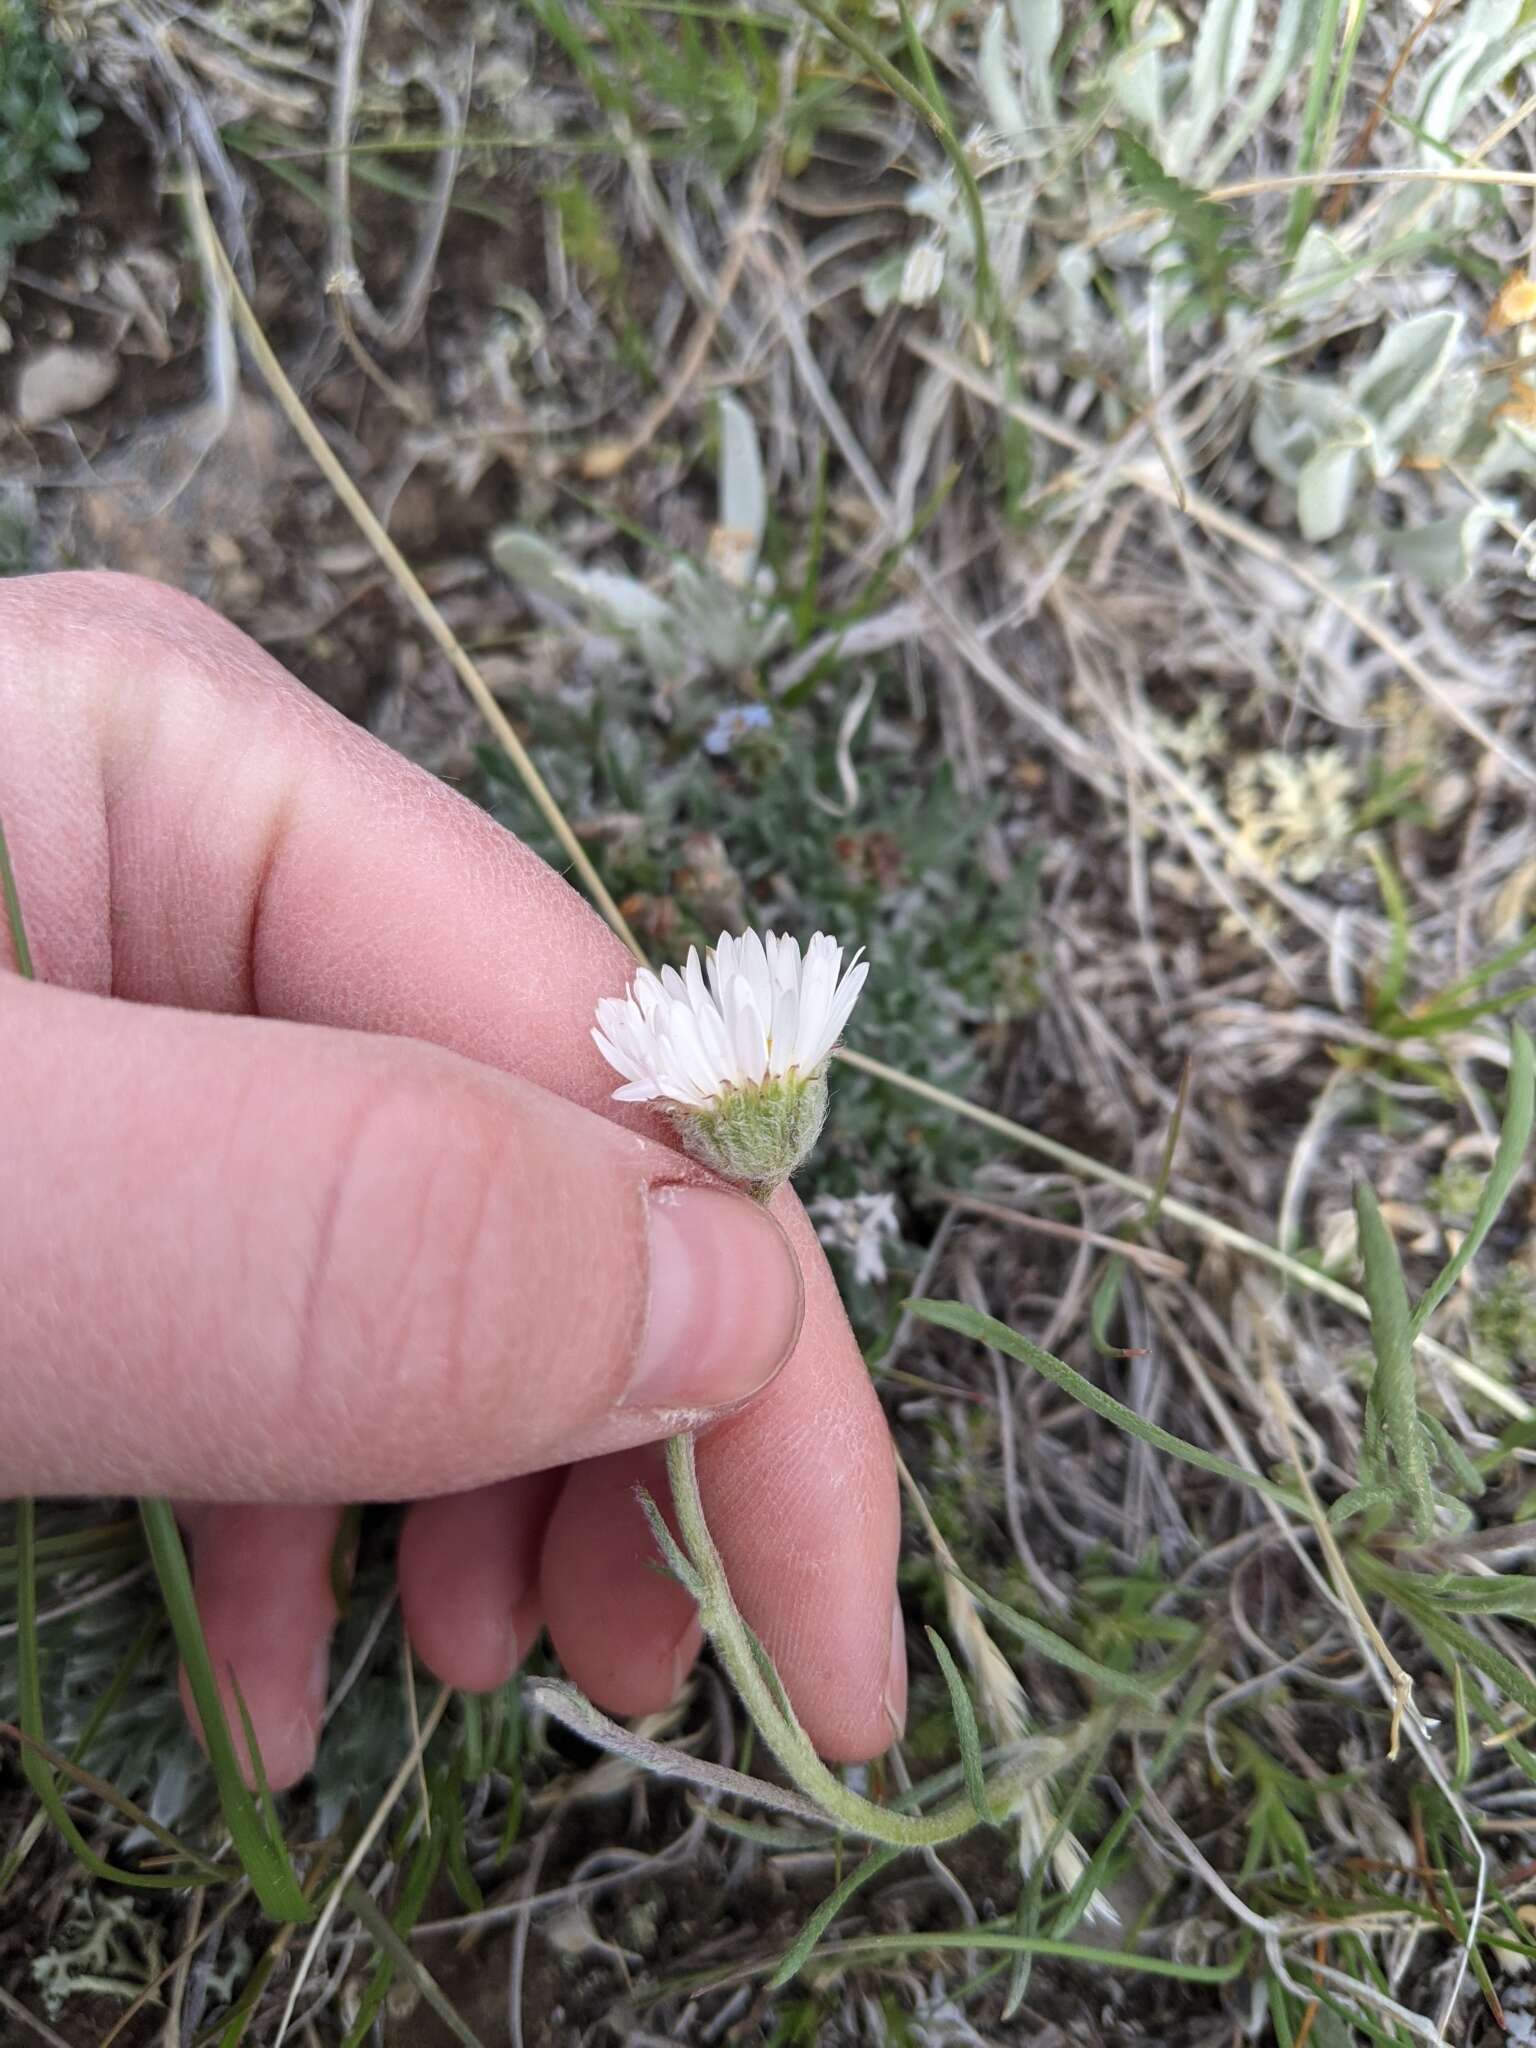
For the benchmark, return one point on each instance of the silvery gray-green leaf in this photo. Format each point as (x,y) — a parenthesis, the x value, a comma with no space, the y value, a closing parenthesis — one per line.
(1136,75)
(996,75)
(743,494)
(1441,552)
(1289,38)
(1325,486)
(1397,384)
(1321,275)
(1221,48)
(1295,417)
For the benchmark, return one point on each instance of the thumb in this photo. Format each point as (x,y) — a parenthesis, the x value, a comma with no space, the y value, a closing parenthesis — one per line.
(250,1260)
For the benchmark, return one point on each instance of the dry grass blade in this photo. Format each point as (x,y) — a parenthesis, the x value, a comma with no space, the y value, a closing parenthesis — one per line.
(406,580)
(360,1848)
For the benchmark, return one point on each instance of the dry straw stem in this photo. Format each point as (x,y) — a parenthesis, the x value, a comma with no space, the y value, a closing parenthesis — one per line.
(607,458)
(1469,173)
(485,703)
(1161,1265)
(480,693)
(1228,526)
(1401,1684)
(38,2029)
(1488,1388)
(360,1848)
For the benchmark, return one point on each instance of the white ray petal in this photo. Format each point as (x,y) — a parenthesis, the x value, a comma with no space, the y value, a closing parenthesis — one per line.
(754,1008)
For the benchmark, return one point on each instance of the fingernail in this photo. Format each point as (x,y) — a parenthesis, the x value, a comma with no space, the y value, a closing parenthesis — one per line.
(896,1673)
(725,1301)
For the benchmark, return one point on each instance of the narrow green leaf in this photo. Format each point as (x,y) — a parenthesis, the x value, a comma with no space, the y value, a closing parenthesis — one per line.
(1448,1448)
(1413,1594)
(448,1822)
(264,1856)
(122,1678)
(472,1752)
(983,1329)
(775,1685)
(1465,1594)
(1058,1650)
(797,1957)
(965,1726)
(764,1833)
(677,1560)
(1003,1941)
(1103,1305)
(1358,1500)
(1509,1156)
(1394,1389)
(1451,1639)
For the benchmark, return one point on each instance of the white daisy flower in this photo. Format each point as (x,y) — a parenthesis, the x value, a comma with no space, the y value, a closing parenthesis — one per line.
(738,1059)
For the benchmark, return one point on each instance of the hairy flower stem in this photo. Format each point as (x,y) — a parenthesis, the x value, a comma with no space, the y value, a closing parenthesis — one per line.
(764,1699)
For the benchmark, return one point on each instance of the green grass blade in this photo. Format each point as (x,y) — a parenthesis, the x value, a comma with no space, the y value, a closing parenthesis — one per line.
(982,1329)
(265,1801)
(413,1897)
(1514,1142)
(797,1957)
(263,1854)
(897,82)
(965,1726)
(1488,970)
(1394,1390)
(1435,1023)
(13,916)
(380,1927)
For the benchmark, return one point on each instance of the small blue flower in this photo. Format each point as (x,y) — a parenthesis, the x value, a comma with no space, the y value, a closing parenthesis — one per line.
(732,725)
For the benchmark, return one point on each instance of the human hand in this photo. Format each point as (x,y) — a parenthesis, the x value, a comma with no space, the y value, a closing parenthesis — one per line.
(313,1191)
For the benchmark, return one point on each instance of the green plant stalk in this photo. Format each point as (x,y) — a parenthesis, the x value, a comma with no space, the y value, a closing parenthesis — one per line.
(734,1646)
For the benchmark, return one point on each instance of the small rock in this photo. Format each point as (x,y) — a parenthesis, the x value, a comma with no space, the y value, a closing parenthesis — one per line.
(59,381)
